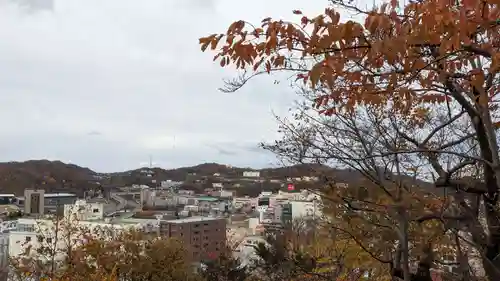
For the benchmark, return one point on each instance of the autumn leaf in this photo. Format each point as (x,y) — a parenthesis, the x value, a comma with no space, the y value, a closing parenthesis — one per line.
(387,46)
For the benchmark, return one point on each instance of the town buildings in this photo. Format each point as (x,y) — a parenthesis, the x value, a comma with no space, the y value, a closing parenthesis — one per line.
(203,237)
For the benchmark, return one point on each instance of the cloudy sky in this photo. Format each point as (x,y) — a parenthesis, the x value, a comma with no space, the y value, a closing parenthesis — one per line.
(106,83)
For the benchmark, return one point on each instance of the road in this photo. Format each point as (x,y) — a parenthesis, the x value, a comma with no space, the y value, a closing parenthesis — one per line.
(122,202)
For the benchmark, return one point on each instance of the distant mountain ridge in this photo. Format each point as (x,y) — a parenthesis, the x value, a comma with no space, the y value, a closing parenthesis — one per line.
(57,176)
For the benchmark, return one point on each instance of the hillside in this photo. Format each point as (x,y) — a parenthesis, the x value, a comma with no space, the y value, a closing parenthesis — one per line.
(53,176)
(56,176)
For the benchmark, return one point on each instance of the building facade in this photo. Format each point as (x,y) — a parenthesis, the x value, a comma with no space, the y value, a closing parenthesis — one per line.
(34,202)
(59,199)
(203,237)
(306,209)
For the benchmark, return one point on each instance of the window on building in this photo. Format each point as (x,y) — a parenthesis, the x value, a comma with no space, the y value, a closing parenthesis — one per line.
(95,211)
(25,227)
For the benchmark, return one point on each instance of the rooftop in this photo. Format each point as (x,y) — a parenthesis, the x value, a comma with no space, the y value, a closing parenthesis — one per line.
(193,219)
(59,195)
(7,195)
(207,198)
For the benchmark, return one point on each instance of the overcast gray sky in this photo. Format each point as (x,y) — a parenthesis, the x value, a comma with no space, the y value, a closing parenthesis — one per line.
(106,83)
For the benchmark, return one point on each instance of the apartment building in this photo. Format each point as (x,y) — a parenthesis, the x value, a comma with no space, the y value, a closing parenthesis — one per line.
(203,237)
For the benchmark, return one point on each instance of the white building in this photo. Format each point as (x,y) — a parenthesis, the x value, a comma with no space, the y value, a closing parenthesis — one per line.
(246,252)
(83,211)
(302,209)
(36,233)
(303,195)
(265,194)
(251,174)
(79,220)
(217,185)
(148,197)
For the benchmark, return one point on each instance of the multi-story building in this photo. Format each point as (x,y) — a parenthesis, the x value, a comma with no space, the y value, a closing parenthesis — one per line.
(80,219)
(59,199)
(34,202)
(147,197)
(83,211)
(37,202)
(306,209)
(203,237)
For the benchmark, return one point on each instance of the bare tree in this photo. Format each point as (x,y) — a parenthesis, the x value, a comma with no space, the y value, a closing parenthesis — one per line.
(406,193)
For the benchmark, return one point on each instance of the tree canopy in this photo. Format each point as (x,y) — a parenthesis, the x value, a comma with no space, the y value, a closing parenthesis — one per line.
(407,94)
(425,52)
